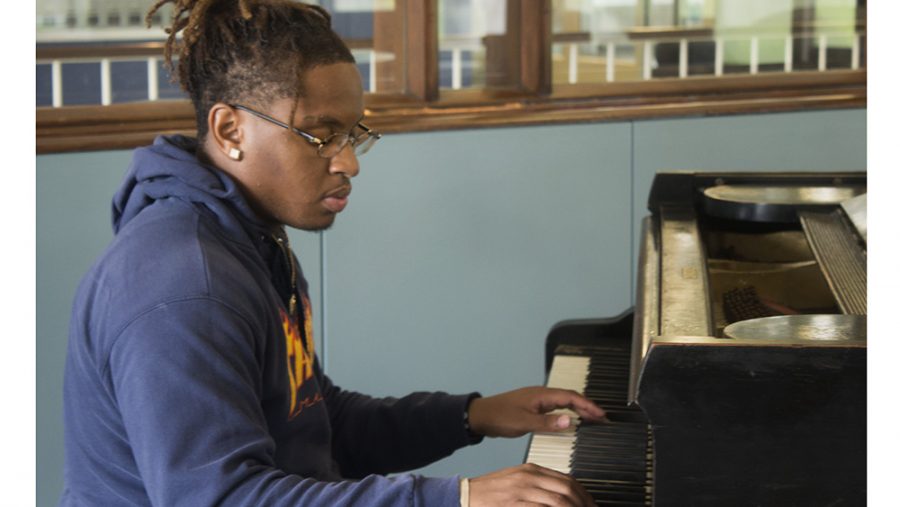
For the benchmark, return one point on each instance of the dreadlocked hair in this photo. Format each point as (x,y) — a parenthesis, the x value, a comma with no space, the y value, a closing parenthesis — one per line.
(250,51)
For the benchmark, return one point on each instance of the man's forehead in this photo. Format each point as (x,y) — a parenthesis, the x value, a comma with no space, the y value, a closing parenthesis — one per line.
(334,80)
(332,94)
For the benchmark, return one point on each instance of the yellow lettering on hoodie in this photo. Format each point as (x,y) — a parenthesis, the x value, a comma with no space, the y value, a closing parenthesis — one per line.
(299,358)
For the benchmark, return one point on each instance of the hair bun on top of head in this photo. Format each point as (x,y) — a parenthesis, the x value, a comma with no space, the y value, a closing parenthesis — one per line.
(246,50)
(190,14)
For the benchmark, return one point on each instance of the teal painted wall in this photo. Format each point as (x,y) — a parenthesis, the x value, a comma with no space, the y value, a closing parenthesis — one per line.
(458,252)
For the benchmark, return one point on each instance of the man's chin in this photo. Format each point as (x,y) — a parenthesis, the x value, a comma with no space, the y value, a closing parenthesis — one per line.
(319,226)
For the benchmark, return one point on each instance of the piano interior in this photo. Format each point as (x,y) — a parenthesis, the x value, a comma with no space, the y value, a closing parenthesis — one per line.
(757,273)
(739,377)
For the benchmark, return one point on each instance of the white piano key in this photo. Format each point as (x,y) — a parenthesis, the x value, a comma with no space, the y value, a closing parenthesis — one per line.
(554,450)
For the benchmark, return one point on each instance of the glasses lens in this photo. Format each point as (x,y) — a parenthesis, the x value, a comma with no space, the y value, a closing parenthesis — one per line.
(333,145)
(365,144)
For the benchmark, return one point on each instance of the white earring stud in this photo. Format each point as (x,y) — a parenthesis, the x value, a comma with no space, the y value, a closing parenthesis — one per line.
(235,154)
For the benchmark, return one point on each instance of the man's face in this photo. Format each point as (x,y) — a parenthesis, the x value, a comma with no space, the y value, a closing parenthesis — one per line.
(287,182)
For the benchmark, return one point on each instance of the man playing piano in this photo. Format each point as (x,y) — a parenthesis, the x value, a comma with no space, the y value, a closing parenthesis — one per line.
(191,377)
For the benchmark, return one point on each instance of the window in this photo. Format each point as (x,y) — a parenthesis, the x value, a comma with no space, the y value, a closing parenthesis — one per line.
(596,41)
(430,64)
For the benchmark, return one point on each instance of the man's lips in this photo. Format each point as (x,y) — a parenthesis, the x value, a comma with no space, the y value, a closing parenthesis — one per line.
(336,200)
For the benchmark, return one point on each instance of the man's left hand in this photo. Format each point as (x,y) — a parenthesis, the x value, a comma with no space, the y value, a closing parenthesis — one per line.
(515,413)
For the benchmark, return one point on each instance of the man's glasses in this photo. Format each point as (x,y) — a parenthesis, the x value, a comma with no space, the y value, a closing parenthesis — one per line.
(331,145)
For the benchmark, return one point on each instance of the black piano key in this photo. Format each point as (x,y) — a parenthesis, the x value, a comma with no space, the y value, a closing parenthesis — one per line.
(596,463)
(614,427)
(600,440)
(611,474)
(612,459)
(603,441)
(585,461)
(629,489)
(606,497)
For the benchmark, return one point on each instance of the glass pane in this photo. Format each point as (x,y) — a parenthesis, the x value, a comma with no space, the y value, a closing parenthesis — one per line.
(835,23)
(659,13)
(373,29)
(167,88)
(591,43)
(81,83)
(128,81)
(740,22)
(463,61)
(473,47)
(839,54)
(683,38)
(44,92)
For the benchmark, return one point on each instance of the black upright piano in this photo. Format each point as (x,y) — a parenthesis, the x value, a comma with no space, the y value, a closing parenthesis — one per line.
(739,376)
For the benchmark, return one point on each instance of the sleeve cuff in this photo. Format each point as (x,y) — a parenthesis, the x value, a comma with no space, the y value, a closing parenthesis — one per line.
(474,438)
(464,492)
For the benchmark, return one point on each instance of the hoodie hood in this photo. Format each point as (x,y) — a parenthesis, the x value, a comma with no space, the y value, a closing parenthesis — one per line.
(170,169)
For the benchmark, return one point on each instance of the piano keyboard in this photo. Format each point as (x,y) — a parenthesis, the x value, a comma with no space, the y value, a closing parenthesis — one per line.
(613,460)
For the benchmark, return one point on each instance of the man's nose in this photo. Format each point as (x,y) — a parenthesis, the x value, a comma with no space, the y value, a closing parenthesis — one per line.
(345,162)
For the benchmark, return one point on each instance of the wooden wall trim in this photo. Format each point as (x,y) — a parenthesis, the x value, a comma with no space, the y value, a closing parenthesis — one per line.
(123,49)
(122,126)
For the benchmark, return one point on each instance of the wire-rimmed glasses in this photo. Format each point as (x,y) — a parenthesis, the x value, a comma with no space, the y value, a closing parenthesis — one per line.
(331,145)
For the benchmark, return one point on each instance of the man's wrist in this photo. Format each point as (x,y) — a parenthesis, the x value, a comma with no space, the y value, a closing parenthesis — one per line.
(474,437)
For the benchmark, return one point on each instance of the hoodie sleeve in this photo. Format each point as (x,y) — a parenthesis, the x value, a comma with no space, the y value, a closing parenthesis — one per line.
(186,382)
(385,435)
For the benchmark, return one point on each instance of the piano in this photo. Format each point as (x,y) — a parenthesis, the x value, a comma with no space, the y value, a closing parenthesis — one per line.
(739,376)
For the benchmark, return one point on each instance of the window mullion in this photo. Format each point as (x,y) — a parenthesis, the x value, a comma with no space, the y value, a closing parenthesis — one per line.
(530,28)
(421,48)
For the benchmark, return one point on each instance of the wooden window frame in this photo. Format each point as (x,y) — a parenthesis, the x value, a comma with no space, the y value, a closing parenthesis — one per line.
(530,100)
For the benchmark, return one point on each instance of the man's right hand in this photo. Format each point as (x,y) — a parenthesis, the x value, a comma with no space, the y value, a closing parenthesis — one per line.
(527,484)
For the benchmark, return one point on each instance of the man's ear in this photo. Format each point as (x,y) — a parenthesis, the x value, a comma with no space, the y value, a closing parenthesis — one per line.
(225,130)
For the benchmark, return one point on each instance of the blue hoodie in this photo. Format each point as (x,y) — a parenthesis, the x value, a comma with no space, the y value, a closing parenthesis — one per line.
(191,378)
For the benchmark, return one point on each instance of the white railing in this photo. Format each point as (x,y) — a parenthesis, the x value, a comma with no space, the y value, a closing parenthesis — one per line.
(458,45)
(362,56)
(648,62)
(105,70)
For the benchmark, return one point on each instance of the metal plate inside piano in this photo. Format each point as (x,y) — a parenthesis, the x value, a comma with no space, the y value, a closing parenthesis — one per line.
(758,203)
(801,327)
